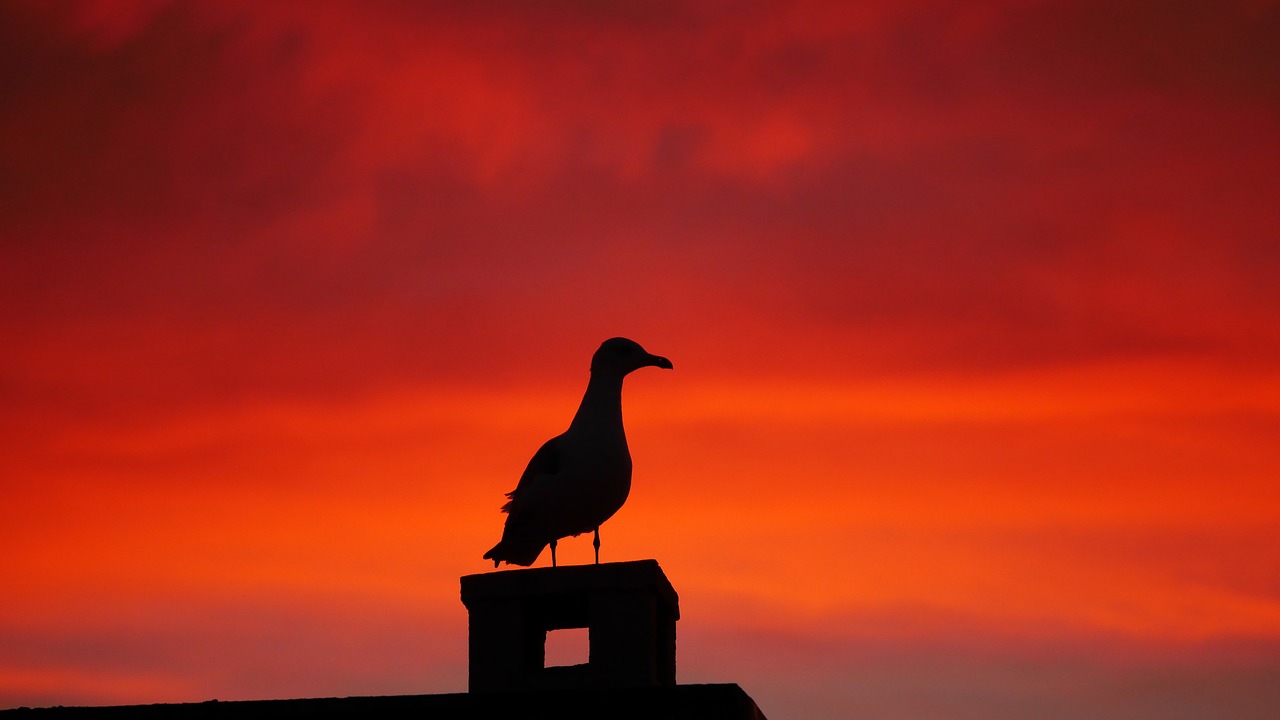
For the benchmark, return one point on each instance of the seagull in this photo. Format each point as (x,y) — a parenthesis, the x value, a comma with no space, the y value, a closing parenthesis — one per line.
(580,478)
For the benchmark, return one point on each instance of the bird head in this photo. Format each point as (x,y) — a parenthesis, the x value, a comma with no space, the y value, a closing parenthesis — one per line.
(621,356)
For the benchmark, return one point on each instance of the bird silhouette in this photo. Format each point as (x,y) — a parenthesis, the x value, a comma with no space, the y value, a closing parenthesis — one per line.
(579,478)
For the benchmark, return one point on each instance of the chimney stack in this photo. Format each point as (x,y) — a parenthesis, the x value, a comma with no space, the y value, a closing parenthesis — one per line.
(629,610)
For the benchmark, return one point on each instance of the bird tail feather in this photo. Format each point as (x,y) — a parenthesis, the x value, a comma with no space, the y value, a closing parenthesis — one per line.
(514,554)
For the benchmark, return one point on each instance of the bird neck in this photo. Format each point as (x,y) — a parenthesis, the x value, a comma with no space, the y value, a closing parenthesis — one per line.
(601,403)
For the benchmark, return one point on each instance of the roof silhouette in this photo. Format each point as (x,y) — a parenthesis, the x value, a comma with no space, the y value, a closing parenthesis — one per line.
(681,702)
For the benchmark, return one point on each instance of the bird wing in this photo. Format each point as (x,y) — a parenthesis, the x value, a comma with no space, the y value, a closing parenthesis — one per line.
(544,462)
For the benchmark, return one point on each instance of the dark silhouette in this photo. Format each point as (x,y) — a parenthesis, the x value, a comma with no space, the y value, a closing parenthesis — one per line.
(579,479)
(681,702)
(629,608)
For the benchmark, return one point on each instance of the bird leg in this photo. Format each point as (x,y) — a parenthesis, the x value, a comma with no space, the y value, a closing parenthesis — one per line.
(553,553)
(596,542)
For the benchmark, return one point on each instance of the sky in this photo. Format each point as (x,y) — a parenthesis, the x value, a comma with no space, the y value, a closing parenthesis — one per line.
(976,402)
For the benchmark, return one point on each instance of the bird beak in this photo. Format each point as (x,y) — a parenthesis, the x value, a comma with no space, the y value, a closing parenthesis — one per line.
(660,361)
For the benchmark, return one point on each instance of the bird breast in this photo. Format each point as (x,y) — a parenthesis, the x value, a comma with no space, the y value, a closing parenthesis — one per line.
(597,479)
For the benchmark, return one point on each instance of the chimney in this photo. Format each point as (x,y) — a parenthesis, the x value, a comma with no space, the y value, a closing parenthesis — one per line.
(629,610)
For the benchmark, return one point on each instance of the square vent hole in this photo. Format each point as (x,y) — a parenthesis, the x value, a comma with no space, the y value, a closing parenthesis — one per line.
(571,646)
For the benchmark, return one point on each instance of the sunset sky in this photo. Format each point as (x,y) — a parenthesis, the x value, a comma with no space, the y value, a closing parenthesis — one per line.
(974,309)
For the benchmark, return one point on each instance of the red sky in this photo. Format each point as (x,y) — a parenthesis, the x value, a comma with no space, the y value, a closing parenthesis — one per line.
(972,307)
